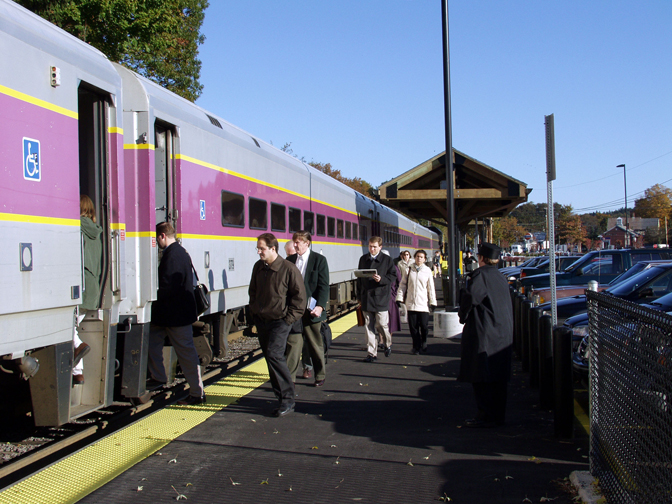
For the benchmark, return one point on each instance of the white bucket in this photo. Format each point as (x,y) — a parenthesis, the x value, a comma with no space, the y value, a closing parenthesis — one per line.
(447,325)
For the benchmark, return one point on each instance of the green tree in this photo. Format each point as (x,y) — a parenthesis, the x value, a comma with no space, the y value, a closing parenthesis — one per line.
(570,229)
(656,203)
(158,39)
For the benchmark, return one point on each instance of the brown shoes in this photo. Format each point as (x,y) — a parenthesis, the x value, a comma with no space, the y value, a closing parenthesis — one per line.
(307,373)
(80,352)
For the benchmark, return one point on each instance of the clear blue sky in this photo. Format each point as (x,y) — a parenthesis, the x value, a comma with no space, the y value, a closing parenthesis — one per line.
(359,84)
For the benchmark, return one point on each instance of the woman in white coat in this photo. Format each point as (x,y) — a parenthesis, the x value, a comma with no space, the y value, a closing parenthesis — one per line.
(416,291)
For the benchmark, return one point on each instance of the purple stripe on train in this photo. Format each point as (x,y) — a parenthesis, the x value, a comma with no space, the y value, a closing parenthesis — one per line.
(51,194)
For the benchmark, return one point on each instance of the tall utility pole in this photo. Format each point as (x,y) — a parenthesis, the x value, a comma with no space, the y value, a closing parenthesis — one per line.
(625,185)
(450,297)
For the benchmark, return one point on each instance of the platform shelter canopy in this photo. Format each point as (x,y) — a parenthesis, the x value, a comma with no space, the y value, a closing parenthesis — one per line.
(480,191)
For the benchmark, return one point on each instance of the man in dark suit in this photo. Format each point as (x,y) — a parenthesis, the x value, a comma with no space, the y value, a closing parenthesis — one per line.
(315,272)
(173,313)
(374,296)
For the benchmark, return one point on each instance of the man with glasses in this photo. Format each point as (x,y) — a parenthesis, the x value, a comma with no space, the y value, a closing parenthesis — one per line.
(277,300)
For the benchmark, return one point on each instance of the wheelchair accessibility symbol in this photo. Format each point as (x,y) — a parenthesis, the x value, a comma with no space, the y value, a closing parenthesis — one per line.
(31,160)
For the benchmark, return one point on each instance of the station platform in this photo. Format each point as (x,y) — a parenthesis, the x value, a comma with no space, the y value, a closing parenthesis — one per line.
(383,432)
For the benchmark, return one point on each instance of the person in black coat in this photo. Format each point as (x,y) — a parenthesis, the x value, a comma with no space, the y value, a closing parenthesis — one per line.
(173,313)
(374,296)
(487,338)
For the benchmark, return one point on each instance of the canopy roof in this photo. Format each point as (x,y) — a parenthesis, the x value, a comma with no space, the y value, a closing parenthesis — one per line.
(480,191)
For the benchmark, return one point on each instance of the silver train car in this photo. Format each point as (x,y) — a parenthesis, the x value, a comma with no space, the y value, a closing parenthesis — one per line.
(71,123)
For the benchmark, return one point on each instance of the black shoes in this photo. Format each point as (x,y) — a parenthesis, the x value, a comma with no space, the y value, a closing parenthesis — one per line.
(473,423)
(381,346)
(319,383)
(424,347)
(415,351)
(370,358)
(152,384)
(388,351)
(192,401)
(283,410)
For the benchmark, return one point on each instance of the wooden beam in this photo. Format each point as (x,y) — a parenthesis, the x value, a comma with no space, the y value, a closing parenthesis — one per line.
(441,194)
(442,209)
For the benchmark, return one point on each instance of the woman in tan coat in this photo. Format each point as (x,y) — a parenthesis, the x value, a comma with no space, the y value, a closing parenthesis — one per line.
(417,292)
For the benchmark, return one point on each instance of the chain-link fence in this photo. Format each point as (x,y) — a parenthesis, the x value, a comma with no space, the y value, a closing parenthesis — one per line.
(630,400)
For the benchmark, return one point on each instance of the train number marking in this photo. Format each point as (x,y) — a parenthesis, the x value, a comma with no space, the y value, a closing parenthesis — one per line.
(31,160)
(202,207)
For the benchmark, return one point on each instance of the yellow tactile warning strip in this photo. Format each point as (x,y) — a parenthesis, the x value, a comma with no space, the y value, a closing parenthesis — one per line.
(85,471)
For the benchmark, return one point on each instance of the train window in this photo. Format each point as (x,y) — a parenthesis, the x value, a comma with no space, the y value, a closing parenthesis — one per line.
(339,228)
(278,218)
(233,209)
(258,213)
(294,219)
(348,231)
(354,230)
(321,225)
(308,218)
(331,226)
(363,235)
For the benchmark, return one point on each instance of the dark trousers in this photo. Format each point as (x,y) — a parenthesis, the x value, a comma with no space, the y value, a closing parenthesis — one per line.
(491,401)
(273,340)
(417,323)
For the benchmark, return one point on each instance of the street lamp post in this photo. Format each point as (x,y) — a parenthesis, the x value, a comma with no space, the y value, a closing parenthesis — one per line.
(625,185)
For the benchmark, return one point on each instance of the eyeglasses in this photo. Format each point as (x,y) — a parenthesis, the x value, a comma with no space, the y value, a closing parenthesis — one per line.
(257,249)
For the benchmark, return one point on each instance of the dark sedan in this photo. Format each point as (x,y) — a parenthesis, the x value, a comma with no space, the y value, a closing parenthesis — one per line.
(648,285)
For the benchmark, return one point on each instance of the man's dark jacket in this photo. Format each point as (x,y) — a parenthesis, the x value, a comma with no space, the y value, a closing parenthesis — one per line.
(175,304)
(375,296)
(316,282)
(277,291)
(487,336)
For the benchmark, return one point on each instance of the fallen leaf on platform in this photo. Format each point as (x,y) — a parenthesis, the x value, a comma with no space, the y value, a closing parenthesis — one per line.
(527,500)
(253,420)
(509,477)
(427,457)
(233,482)
(179,495)
(547,499)
(173,461)
(409,463)
(188,485)
(289,489)
(264,482)
(139,489)
(333,446)
(276,431)
(496,479)
(314,448)
(445,498)
(279,473)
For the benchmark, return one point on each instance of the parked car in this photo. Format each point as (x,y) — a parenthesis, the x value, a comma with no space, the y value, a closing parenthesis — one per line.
(649,284)
(600,265)
(561,262)
(563,291)
(580,330)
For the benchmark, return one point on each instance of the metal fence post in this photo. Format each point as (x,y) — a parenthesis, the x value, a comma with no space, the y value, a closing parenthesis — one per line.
(564,386)
(546,362)
(525,333)
(533,330)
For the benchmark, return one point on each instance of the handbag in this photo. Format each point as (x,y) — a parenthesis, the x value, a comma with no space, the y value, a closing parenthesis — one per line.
(200,294)
(360,316)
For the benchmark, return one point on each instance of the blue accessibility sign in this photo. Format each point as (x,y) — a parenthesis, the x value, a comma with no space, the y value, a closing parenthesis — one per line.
(202,209)
(31,159)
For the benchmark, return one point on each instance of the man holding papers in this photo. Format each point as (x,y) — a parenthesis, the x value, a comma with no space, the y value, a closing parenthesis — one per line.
(315,272)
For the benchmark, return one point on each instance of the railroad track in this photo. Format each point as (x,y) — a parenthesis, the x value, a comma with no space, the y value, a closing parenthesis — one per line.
(54,444)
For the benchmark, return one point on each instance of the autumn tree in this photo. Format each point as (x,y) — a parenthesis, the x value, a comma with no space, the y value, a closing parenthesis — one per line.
(656,203)
(158,39)
(507,231)
(570,229)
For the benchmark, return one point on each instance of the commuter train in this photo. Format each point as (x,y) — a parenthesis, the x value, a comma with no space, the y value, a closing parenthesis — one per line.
(71,123)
